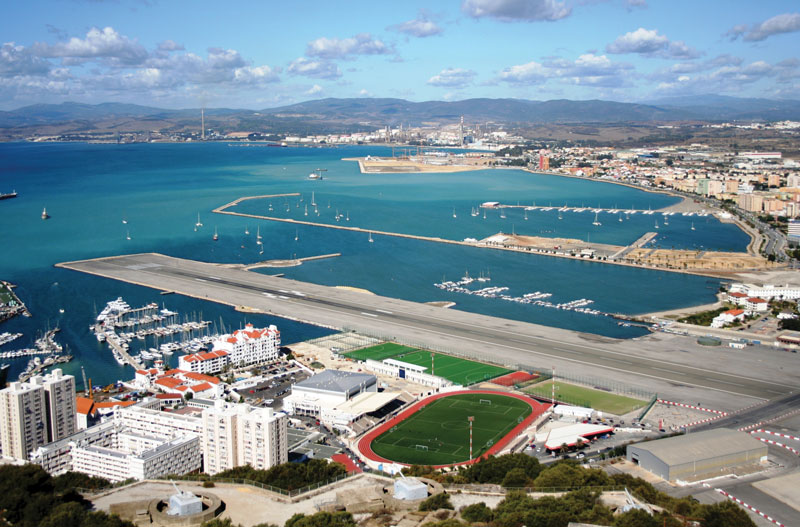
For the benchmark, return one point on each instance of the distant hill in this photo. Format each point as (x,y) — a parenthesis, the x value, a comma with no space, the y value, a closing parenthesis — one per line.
(369,113)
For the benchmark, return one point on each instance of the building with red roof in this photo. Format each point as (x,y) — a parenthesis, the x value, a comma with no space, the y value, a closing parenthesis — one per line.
(251,345)
(728,317)
(204,362)
(756,305)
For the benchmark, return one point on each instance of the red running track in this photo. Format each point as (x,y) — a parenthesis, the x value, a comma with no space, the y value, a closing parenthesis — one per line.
(365,443)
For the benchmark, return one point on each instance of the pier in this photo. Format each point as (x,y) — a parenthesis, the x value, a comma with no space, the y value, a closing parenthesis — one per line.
(293,262)
(752,263)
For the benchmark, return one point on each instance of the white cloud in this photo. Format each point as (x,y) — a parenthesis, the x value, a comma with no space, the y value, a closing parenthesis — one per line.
(170,45)
(587,69)
(364,93)
(18,60)
(785,23)
(317,69)
(104,43)
(530,73)
(516,10)
(346,48)
(452,77)
(422,26)
(649,42)
(314,90)
(254,75)
(724,74)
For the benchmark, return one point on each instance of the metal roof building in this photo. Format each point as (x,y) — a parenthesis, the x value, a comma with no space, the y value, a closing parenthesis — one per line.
(697,455)
(338,382)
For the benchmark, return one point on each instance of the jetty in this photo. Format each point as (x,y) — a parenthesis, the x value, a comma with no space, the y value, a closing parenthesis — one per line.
(292,262)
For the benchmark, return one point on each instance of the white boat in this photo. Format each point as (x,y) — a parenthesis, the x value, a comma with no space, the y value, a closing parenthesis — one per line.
(596,220)
(692,226)
(45,215)
(199,223)
(370,238)
(560,217)
(305,213)
(124,220)
(270,207)
(620,217)
(296,235)
(216,236)
(347,216)
(503,213)
(656,224)
(313,200)
(127,235)
(454,212)
(526,214)
(246,230)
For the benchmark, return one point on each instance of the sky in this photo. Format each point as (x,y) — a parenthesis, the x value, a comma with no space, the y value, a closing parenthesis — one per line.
(265,53)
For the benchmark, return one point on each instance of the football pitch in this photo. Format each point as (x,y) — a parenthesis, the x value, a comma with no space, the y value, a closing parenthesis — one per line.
(459,371)
(438,434)
(589,397)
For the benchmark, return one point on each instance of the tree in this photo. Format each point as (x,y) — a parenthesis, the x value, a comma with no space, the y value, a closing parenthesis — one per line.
(477,512)
(725,514)
(561,475)
(322,519)
(637,518)
(516,478)
(435,502)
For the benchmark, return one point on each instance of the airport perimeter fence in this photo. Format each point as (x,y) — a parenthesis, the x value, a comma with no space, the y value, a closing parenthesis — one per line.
(544,374)
(499,489)
(345,342)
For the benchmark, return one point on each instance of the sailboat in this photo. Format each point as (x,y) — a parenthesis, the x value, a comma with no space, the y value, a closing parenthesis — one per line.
(124,220)
(45,215)
(306,211)
(216,236)
(596,221)
(474,212)
(313,201)
(560,217)
(258,236)
(296,235)
(620,217)
(666,220)
(347,216)
(127,235)
(454,212)
(656,224)
(370,237)
(503,213)
(484,214)
(199,223)
(270,207)
(246,230)
(692,226)
(526,215)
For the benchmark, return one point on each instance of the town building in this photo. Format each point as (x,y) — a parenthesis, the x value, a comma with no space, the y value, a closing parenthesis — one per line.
(728,317)
(238,434)
(327,390)
(36,412)
(241,348)
(206,362)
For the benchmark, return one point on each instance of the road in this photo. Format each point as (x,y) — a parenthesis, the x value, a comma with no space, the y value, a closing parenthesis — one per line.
(652,364)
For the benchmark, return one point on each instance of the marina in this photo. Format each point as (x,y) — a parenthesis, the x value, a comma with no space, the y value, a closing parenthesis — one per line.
(119,325)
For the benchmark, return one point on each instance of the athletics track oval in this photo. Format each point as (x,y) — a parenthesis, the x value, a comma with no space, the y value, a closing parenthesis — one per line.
(365,443)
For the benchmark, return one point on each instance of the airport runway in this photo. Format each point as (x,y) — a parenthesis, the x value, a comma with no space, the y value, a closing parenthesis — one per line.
(652,362)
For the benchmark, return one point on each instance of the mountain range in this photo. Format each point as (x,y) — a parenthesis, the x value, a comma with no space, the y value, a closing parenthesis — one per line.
(366,113)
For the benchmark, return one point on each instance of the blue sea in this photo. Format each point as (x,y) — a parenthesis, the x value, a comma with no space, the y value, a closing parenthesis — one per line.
(160,189)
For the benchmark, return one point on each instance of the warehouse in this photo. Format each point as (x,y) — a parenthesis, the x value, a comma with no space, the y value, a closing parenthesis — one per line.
(698,455)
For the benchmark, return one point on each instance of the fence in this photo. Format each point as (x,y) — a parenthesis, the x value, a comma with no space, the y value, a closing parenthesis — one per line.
(289,493)
(497,489)
(598,383)
(345,341)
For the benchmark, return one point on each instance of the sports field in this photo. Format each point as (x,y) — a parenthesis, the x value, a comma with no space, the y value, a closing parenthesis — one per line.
(459,371)
(579,395)
(438,434)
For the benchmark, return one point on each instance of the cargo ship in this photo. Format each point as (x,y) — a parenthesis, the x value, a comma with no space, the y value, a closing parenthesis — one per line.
(9,195)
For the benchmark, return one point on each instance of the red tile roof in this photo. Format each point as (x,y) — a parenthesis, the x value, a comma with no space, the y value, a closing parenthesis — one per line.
(205,356)
(734,312)
(168,396)
(756,300)
(203,386)
(201,377)
(169,382)
(737,295)
(84,405)
(112,404)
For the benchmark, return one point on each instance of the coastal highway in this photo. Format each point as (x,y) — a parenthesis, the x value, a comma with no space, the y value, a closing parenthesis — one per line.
(652,363)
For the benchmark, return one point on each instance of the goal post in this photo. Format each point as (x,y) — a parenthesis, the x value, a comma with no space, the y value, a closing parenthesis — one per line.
(421,447)
(485,401)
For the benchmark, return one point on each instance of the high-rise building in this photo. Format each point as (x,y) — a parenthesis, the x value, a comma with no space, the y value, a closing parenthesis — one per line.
(243,347)
(23,426)
(59,396)
(235,435)
(37,412)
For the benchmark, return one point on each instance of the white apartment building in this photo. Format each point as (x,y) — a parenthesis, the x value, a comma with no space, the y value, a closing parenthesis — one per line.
(56,457)
(250,346)
(235,435)
(59,400)
(767,291)
(208,362)
(154,422)
(180,455)
(35,413)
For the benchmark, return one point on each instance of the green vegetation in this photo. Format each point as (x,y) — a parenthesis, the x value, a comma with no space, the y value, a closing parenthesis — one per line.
(322,519)
(597,399)
(459,371)
(438,434)
(227,522)
(30,497)
(288,476)
(5,294)
(581,503)
(704,318)
(436,502)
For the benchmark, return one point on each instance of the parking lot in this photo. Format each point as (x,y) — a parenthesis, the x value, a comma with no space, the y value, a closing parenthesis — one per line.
(276,384)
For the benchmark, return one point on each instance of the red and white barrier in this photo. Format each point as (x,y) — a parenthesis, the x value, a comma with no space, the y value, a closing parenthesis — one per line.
(694,423)
(750,507)
(693,407)
(761,423)
(776,443)
(762,431)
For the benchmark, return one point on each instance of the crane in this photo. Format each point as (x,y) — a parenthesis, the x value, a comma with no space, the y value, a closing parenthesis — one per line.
(87,387)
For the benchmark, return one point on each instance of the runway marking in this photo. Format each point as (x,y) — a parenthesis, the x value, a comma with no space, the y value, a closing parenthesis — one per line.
(199,279)
(370,314)
(568,351)
(384,311)
(723,382)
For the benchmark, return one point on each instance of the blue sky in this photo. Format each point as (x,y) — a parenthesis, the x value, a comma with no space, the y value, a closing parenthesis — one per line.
(259,54)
